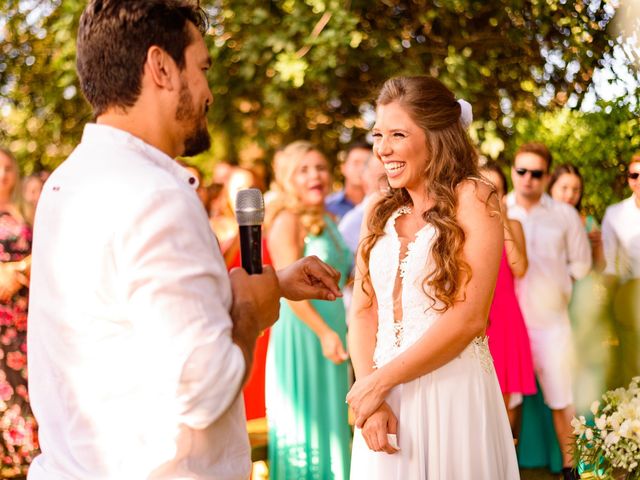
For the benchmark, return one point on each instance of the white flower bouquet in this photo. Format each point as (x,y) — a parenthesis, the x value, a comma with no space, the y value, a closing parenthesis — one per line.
(610,449)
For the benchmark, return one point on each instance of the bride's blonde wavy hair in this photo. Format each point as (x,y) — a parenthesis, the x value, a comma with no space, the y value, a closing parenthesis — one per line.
(451,160)
(311,218)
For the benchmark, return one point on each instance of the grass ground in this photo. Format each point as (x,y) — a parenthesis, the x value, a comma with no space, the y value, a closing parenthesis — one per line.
(537,474)
(261,472)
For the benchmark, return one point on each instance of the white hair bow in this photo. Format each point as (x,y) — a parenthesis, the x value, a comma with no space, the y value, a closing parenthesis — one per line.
(466,113)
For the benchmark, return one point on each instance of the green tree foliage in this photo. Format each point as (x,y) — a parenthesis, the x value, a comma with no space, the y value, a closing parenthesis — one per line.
(42,112)
(599,143)
(287,69)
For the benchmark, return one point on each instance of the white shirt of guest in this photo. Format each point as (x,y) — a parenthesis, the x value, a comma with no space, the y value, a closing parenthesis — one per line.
(558,252)
(621,239)
(351,224)
(132,371)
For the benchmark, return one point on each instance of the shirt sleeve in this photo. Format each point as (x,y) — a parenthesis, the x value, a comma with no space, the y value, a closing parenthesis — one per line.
(177,294)
(578,247)
(610,245)
(349,228)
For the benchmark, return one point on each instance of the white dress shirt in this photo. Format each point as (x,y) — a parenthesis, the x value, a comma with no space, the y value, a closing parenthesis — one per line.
(621,239)
(132,371)
(558,251)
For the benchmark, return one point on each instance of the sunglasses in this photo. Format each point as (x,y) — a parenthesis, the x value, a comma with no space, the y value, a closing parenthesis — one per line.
(537,174)
(633,176)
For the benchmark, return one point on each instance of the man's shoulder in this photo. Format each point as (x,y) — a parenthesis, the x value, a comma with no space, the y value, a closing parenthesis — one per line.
(621,214)
(563,209)
(128,170)
(617,207)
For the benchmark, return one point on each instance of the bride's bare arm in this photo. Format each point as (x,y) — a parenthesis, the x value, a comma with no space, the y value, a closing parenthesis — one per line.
(363,313)
(460,324)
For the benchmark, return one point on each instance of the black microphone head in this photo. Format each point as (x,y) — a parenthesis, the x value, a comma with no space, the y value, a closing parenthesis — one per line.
(249,207)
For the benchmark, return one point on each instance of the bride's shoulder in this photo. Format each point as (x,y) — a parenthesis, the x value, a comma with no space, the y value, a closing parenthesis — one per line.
(476,192)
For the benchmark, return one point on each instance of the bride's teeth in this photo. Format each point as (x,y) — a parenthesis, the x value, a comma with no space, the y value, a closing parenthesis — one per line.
(393,166)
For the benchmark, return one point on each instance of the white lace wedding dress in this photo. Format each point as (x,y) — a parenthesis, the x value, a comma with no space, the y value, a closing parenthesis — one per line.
(452,423)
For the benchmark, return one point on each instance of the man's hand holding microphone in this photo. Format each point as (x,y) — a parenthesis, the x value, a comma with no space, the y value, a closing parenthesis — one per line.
(257,289)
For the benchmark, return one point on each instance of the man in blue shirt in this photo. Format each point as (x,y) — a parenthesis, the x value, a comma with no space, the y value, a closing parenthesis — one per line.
(341,202)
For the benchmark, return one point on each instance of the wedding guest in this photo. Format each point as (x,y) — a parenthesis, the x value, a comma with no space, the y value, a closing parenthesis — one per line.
(19,439)
(567,185)
(339,203)
(31,189)
(224,223)
(309,434)
(426,399)
(508,338)
(254,390)
(374,179)
(558,253)
(588,306)
(221,172)
(274,186)
(621,239)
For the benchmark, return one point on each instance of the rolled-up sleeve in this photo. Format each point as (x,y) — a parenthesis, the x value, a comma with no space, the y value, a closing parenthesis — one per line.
(177,295)
(610,245)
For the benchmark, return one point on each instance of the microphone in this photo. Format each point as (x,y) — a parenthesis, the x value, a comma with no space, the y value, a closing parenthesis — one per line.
(250,215)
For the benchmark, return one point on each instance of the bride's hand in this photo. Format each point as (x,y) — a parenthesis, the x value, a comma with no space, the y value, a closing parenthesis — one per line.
(365,396)
(376,428)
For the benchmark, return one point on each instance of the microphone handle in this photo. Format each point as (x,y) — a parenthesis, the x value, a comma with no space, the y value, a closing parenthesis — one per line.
(251,248)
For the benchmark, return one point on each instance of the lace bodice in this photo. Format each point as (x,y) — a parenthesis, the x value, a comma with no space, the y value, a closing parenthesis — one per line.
(417,308)
(418,312)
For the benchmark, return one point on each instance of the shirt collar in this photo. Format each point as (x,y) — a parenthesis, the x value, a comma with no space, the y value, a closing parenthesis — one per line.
(631,202)
(100,133)
(341,196)
(545,201)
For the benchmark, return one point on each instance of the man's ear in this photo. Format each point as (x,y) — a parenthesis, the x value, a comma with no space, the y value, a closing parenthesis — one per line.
(161,68)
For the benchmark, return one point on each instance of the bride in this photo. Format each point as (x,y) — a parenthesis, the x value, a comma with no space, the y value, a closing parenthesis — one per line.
(426,399)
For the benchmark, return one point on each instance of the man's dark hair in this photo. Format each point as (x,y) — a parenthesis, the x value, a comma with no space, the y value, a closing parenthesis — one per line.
(114,37)
(539,149)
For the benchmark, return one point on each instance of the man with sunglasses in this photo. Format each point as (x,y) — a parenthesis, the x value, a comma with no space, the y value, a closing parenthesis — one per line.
(558,252)
(621,241)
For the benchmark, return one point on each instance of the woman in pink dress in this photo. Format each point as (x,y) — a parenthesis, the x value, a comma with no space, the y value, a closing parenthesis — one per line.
(18,430)
(508,339)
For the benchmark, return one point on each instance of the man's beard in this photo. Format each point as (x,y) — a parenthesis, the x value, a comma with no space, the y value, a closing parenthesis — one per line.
(198,140)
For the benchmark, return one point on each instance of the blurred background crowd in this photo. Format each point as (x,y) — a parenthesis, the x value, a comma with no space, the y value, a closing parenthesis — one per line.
(301,373)
(554,87)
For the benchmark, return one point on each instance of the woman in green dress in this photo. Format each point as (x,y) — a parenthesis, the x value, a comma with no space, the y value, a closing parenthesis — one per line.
(306,374)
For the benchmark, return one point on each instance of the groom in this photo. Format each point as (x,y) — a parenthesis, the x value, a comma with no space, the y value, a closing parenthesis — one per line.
(139,341)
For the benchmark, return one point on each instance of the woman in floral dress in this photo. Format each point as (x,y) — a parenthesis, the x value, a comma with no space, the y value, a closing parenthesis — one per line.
(18,435)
